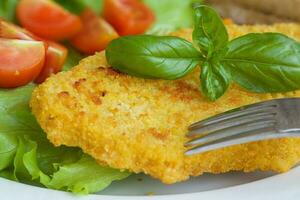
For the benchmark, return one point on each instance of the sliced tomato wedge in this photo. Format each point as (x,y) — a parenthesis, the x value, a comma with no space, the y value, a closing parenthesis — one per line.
(21,61)
(95,35)
(11,31)
(128,17)
(47,19)
(55,53)
(55,58)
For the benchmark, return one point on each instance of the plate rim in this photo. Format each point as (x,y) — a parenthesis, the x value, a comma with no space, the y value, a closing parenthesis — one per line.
(259,189)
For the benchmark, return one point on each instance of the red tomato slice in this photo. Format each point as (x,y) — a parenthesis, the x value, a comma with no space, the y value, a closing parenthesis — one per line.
(11,31)
(55,53)
(47,19)
(55,58)
(128,17)
(21,61)
(95,35)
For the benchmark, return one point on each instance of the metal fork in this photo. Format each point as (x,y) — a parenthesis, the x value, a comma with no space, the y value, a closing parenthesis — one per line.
(278,118)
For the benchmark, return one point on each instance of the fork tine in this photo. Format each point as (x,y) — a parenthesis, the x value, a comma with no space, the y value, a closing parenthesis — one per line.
(231,132)
(252,136)
(231,122)
(238,112)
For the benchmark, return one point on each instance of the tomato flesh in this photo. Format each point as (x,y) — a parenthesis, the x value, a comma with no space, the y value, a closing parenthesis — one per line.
(128,17)
(95,35)
(21,61)
(55,58)
(47,19)
(11,31)
(55,53)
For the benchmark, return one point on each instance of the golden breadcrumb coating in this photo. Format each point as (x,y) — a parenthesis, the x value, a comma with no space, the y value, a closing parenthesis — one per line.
(140,125)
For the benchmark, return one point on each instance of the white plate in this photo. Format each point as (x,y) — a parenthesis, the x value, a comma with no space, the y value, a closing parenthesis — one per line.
(231,186)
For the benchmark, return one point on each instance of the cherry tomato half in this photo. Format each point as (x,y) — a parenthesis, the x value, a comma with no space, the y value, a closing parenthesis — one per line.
(21,61)
(55,58)
(11,31)
(47,19)
(128,17)
(55,53)
(95,34)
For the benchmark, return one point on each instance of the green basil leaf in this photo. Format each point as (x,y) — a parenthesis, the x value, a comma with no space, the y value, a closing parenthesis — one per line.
(210,33)
(264,62)
(214,80)
(146,56)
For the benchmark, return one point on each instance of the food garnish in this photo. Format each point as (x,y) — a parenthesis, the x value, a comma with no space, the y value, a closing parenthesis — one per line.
(26,155)
(47,19)
(140,124)
(21,61)
(259,62)
(95,34)
(128,17)
(54,57)
(266,62)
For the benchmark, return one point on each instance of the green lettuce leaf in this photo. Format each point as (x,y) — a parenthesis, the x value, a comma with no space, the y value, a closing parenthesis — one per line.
(77,6)
(7,9)
(89,177)
(73,57)
(171,15)
(26,155)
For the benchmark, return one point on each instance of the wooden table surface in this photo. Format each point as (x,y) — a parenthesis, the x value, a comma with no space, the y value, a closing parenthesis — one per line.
(258,11)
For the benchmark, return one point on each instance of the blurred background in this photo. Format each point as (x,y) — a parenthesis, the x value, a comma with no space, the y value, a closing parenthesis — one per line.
(258,11)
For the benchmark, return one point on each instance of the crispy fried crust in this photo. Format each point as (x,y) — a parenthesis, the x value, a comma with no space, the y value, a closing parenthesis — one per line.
(136,124)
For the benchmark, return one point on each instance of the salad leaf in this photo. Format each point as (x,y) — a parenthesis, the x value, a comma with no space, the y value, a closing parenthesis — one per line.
(7,9)
(264,62)
(77,6)
(171,15)
(73,57)
(89,177)
(73,6)
(96,5)
(149,56)
(26,154)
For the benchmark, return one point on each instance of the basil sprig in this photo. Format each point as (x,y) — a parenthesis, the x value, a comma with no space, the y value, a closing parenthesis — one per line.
(258,62)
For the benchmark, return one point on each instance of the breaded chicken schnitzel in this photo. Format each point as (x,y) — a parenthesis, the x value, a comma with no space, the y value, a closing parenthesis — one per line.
(140,125)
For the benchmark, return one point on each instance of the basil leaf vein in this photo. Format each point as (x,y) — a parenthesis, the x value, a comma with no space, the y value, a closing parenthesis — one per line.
(154,57)
(215,80)
(264,62)
(210,33)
